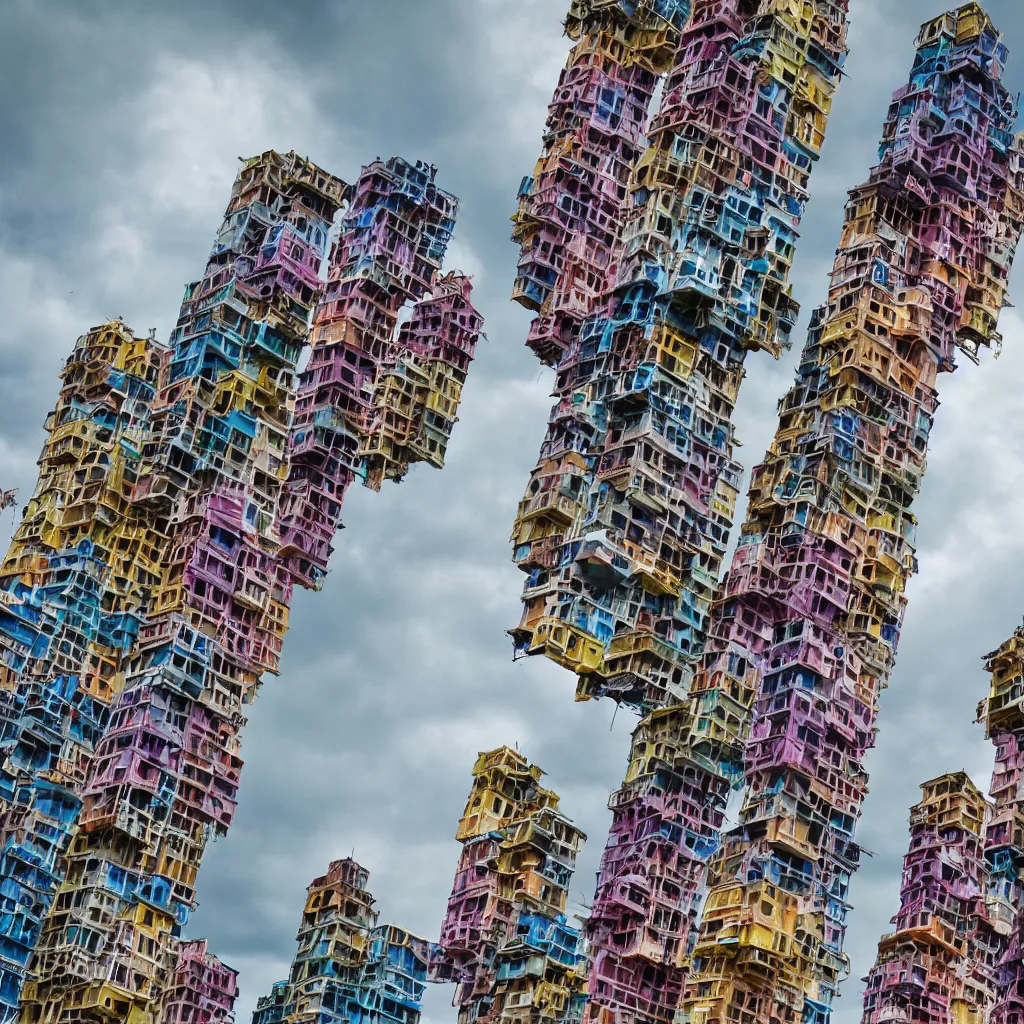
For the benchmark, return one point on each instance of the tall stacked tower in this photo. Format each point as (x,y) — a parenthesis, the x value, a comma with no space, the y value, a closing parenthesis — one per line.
(375,398)
(925,969)
(625,524)
(996,944)
(347,967)
(202,990)
(570,211)
(147,590)
(956,954)
(505,939)
(77,579)
(164,775)
(805,631)
(1009,1008)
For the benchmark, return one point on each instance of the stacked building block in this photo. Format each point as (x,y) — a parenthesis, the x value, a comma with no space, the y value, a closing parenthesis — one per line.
(76,583)
(665,823)
(348,969)
(163,777)
(375,398)
(202,989)
(184,489)
(505,939)
(957,953)
(996,946)
(270,1009)
(570,210)
(925,970)
(805,631)
(624,525)
(1009,1003)
(774,682)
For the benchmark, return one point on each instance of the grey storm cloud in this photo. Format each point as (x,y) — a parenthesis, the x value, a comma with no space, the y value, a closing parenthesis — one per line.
(121,123)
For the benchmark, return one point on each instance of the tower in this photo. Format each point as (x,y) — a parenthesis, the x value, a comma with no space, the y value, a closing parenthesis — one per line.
(505,940)
(184,489)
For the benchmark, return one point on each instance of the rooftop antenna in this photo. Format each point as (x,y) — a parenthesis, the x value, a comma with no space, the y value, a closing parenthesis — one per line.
(9,499)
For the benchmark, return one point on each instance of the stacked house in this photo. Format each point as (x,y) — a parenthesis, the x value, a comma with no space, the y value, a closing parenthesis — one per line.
(1002,714)
(202,990)
(348,969)
(570,210)
(71,608)
(925,970)
(805,631)
(505,939)
(625,524)
(956,950)
(377,394)
(184,489)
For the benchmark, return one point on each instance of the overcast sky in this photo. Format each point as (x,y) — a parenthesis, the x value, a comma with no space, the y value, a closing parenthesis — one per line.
(121,124)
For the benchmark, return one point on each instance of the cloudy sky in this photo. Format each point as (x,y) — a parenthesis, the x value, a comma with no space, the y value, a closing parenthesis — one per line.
(121,125)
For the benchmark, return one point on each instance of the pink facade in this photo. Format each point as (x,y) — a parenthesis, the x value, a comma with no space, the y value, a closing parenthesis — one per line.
(201,990)
(925,970)
(571,209)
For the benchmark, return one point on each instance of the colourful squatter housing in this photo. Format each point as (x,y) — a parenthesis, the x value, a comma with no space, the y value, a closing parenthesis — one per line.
(805,631)
(957,949)
(184,489)
(769,681)
(347,967)
(624,527)
(505,940)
